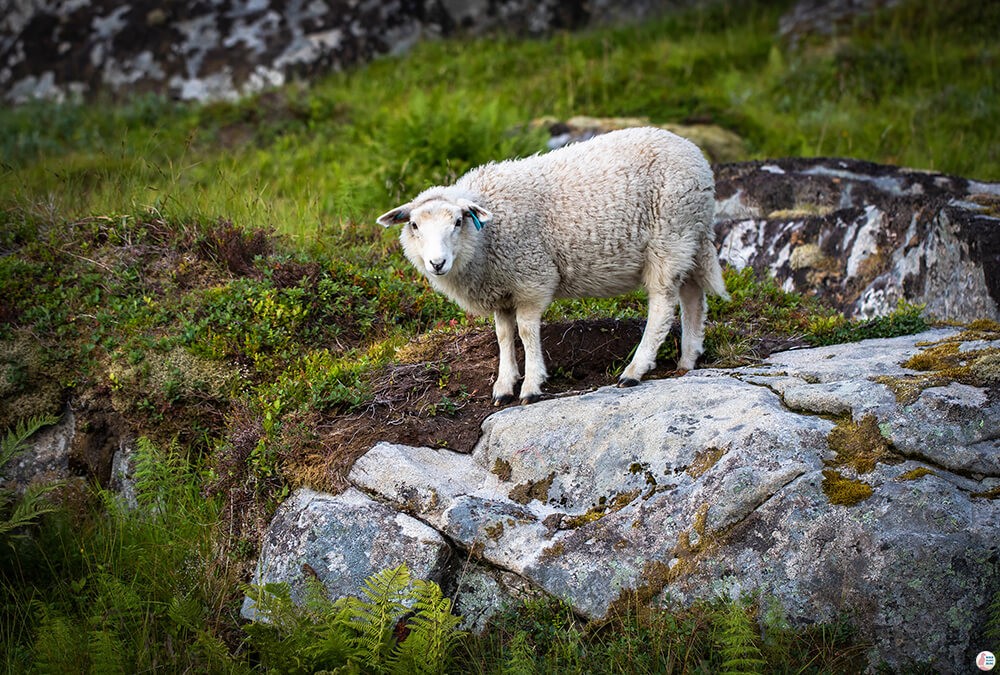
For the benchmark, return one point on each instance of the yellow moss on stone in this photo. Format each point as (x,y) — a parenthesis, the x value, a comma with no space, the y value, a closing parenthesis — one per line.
(704,460)
(603,508)
(525,492)
(552,552)
(501,469)
(844,491)
(494,531)
(943,362)
(992,493)
(860,446)
(914,474)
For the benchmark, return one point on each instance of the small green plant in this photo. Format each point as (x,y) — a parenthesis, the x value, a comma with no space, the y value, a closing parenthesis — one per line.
(400,626)
(738,639)
(30,506)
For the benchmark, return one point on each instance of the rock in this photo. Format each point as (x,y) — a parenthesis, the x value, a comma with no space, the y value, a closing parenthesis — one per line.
(45,456)
(864,236)
(723,481)
(341,540)
(718,144)
(57,50)
(825,16)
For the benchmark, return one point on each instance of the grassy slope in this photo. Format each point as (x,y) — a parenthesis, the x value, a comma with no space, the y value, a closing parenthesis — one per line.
(916,87)
(119,280)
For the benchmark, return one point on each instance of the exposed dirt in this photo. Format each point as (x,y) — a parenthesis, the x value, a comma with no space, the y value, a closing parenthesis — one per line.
(440,395)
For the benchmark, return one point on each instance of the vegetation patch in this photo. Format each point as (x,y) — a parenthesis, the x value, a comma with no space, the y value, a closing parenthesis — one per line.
(942,362)
(844,491)
(915,474)
(992,493)
(501,469)
(704,460)
(601,509)
(525,492)
(860,445)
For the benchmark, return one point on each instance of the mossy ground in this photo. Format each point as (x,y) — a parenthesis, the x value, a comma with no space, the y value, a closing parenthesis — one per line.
(945,361)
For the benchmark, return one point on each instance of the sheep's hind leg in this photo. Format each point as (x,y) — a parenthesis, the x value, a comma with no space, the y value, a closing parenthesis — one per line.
(507,375)
(529,326)
(692,323)
(658,322)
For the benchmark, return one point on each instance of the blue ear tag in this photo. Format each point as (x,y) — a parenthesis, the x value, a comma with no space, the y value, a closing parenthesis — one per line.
(479,225)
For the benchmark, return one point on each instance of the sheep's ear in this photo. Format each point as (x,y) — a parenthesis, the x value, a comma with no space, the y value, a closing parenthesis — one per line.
(397,215)
(479,214)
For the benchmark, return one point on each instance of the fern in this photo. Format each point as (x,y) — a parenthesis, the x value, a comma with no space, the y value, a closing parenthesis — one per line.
(106,652)
(59,644)
(10,445)
(433,633)
(737,641)
(374,618)
(32,503)
(520,660)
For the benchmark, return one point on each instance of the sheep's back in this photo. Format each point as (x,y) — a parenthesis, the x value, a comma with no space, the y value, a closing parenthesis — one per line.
(592,209)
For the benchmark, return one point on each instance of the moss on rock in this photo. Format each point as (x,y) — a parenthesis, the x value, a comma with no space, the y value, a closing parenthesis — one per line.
(525,492)
(844,491)
(861,445)
(601,509)
(914,474)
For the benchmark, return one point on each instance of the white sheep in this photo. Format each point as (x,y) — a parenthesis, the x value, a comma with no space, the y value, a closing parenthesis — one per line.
(594,219)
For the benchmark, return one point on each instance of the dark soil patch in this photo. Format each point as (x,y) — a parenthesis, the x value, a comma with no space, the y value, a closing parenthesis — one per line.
(440,396)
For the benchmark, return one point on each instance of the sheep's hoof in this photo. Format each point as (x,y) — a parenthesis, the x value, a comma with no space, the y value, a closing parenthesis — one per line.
(528,400)
(627,382)
(502,399)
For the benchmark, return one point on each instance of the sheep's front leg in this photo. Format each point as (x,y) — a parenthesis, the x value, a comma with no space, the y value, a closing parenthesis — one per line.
(658,322)
(529,326)
(503,388)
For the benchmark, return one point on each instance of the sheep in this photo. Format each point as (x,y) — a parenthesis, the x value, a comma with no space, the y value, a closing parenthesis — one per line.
(594,219)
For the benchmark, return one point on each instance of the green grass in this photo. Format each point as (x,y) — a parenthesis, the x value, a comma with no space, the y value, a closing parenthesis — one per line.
(915,86)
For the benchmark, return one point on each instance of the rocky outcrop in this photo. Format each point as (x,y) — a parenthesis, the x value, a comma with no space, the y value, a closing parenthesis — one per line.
(58,49)
(860,479)
(863,236)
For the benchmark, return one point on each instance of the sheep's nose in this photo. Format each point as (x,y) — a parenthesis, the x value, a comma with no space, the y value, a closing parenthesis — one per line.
(437,264)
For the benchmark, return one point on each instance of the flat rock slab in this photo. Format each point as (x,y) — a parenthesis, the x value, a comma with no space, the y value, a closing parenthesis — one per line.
(341,540)
(725,481)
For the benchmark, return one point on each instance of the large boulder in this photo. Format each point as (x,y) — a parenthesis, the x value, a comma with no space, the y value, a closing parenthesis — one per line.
(858,479)
(53,50)
(864,236)
(341,540)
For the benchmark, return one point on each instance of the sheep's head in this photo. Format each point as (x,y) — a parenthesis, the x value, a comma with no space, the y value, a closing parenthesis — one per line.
(435,234)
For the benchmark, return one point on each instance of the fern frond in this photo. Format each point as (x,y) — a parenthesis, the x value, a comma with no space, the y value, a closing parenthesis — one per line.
(10,444)
(29,507)
(107,653)
(432,636)
(375,616)
(520,659)
(738,641)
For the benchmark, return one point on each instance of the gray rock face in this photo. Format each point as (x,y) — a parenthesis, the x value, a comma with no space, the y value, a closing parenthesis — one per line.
(341,541)
(863,236)
(58,49)
(730,481)
(45,457)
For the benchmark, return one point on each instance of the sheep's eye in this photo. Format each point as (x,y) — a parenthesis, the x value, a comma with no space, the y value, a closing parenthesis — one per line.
(458,222)
(413,225)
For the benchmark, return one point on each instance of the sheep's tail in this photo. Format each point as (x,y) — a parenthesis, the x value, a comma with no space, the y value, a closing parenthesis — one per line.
(710,271)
